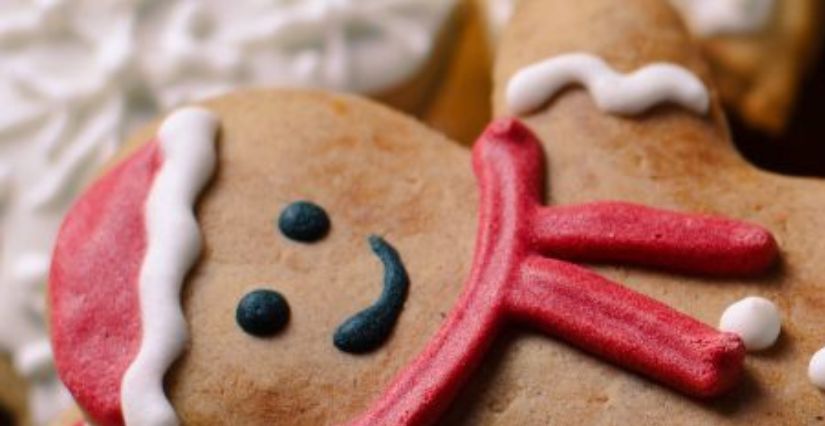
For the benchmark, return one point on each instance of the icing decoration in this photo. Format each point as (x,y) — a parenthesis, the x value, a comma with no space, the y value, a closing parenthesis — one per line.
(708,18)
(304,221)
(816,369)
(173,244)
(262,313)
(118,304)
(516,279)
(93,291)
(612,92)
(705,18)
(77,94)
(755,320)
(368,329)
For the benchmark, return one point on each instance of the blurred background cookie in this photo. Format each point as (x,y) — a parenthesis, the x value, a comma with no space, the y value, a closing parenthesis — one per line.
(768,63)
(761,51)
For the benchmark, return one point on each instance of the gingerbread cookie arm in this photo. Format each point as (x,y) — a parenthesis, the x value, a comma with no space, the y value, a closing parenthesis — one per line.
(624,232)
(625,327)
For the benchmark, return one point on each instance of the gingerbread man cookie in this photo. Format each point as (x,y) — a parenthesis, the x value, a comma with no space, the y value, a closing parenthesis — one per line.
(318,259)
(666,156)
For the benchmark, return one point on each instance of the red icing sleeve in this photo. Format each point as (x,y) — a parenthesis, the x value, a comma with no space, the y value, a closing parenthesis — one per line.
(93,286)
(512,281)
(639,235)
(625,327)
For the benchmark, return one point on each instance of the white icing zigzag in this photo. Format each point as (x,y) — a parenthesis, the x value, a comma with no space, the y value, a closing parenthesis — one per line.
(613,92)
(187,140)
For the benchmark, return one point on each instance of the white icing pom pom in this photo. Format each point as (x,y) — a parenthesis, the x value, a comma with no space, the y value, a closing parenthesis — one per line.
(756,320)
(816,369)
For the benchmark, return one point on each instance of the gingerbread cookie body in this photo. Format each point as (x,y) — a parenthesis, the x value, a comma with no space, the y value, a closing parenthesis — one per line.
(668,157)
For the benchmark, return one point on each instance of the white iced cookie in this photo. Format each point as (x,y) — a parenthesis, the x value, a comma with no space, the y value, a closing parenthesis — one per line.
(77,75)
(816,369)
(705,18)
(755,320)
(709,18)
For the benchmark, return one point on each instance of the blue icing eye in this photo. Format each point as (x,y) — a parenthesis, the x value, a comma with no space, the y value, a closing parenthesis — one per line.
(262,313)
(304,221)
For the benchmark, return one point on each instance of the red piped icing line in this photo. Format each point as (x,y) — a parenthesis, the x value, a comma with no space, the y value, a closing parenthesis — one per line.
(93,293)
(515,278)
(118,267)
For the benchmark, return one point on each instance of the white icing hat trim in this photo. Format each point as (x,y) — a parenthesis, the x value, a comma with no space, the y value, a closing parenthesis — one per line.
(755,320)
(613,92)
(187,140)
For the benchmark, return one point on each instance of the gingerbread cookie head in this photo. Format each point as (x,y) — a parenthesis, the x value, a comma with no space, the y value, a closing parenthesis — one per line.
(268,228)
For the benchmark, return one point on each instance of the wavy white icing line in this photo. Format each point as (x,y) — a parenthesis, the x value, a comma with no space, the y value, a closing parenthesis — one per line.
(816,369)
(187,140)
(708,18)
(613,92)
(756,320)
